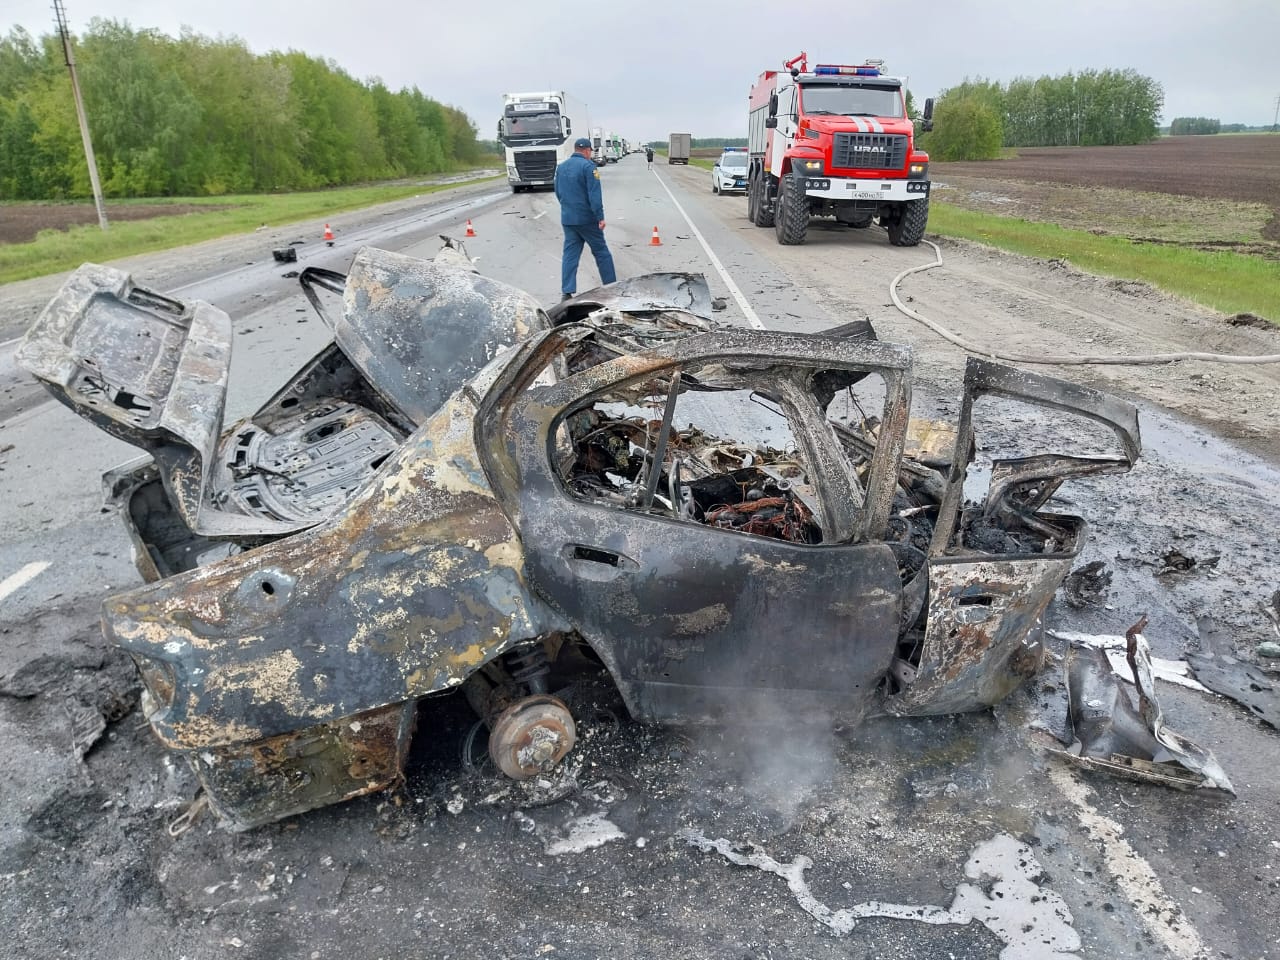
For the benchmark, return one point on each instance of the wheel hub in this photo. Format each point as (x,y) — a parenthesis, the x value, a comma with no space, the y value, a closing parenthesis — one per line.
(531,736)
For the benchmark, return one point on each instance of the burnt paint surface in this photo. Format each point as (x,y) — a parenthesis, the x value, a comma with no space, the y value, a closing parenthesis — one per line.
(982,606)
(418,583)
(976,648)
(419,330)
(698,623)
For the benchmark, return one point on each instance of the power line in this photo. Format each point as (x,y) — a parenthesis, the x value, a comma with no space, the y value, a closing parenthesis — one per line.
(64,33)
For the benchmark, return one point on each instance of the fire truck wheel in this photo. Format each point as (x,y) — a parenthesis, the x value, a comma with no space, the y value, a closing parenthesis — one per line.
(907,228)
(763,215)
(764,211)
(792,214)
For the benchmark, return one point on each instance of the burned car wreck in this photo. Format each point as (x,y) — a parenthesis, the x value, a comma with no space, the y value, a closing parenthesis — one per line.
(463,490)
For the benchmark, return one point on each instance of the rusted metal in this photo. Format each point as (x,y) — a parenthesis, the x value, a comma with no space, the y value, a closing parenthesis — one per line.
(265,780)
(531,736)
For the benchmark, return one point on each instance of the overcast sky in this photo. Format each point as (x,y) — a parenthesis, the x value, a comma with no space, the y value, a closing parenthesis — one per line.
(648,67)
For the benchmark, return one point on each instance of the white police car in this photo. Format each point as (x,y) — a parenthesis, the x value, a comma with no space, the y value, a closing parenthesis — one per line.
(729,175)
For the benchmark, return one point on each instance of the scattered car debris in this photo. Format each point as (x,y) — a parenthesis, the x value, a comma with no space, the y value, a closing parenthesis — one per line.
(1113,736)
(285,255)
(1087,585)
(1218,668)
(465,491)
(289,274)
(1269,649)
(1007,896)
(1175,561)
(1116,648)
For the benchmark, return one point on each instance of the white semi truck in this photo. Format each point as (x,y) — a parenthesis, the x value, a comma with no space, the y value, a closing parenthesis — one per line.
(598,146)
(538,130)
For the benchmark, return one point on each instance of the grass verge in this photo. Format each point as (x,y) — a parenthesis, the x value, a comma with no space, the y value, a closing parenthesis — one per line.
(1226,281)
(55,250)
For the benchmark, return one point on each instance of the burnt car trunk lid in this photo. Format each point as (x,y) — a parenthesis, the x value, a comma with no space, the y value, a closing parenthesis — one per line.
(141,366)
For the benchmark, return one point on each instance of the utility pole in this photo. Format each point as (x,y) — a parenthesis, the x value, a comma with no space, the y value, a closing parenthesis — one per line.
(64,33)
(1275,121)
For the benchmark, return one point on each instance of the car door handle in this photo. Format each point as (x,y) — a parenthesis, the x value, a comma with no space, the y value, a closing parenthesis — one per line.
(595,563)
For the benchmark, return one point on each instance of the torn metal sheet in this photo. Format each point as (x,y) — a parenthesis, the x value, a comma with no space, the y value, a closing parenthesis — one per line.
(461,491)
(1217,667)
(1116,648)
(1112,735)
(649,293)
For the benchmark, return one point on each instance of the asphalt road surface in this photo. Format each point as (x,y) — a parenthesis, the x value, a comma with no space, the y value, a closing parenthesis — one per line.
(952,837)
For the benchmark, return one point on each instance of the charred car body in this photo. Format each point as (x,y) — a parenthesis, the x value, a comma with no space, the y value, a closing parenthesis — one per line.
(462,489)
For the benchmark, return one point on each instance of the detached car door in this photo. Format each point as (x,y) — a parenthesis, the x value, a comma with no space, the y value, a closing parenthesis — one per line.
(689,511)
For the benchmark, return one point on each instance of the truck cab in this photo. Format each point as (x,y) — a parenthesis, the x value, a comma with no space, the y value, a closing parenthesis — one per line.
(837,142)
(536,130)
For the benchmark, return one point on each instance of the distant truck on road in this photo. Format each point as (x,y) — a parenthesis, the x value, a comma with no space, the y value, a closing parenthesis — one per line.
(599,147)
(835,141)
(678,148)
(612,148)
(536,130)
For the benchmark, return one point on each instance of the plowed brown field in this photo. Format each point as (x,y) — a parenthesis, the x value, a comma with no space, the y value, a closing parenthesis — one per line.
(1229,167)
(20,222)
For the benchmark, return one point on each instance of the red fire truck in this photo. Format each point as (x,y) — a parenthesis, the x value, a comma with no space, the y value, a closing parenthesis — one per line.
(835,141)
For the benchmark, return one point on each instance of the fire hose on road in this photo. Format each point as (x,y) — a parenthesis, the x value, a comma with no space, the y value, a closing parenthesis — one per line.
(1060,361)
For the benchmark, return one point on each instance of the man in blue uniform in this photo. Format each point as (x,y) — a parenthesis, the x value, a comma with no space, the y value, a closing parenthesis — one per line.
(582,217)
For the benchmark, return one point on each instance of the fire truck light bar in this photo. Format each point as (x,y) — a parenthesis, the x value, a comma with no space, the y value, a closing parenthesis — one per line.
(831,69)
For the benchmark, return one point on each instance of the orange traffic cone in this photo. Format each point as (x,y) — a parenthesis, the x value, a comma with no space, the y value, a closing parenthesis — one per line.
(655,240)
(328,235)
(471,231)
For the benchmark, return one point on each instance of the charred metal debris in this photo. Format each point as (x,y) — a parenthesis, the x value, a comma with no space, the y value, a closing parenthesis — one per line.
(463,490)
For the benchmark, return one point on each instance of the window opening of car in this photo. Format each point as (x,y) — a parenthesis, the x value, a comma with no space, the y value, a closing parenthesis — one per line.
(701,445)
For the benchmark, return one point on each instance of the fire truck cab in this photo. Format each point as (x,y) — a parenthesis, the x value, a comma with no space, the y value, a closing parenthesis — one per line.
(835,141)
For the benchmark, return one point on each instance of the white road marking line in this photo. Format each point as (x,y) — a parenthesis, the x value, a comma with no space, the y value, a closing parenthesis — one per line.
(745,307)
(1165,920)
(16,581)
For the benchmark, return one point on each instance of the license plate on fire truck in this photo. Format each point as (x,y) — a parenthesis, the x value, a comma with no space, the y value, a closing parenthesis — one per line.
(863,194)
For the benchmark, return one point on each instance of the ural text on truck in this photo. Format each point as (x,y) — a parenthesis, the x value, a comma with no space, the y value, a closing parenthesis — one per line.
(835,141)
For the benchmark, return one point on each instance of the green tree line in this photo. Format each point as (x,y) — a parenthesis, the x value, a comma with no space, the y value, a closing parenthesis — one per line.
(1187,126)
(197,116)
(974,120)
